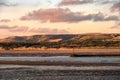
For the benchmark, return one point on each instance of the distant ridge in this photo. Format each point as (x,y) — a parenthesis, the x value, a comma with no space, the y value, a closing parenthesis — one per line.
(63,37)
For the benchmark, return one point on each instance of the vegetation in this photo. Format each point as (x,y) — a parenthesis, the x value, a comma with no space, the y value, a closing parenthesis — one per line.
(67,41)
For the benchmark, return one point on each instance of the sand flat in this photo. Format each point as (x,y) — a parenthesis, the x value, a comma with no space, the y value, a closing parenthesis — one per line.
(18,72)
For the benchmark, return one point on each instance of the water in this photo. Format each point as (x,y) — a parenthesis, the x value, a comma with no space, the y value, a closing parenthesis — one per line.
(63,58)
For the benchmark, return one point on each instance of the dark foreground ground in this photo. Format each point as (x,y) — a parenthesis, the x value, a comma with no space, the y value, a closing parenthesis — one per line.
(58,73)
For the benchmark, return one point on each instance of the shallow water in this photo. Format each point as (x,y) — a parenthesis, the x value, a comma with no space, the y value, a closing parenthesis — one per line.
(63,58)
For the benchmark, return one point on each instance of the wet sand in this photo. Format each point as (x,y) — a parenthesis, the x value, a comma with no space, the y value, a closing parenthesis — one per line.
(60,63)
(58,52)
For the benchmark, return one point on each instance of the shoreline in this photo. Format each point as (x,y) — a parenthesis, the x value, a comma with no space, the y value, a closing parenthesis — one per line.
(65,52)
(59,63)
(52,67)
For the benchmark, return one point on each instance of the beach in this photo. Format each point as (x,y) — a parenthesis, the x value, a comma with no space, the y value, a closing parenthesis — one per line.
(58,65)
(17,72)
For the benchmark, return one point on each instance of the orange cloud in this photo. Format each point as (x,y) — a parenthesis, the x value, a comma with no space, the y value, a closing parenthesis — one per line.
(5,20)
(117,25)
(49,31)
(20,29)
(7,27)
(14,28)
(65,15)
(33,30)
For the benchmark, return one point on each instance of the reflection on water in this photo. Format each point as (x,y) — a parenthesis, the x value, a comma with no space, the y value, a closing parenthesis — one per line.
(63,58)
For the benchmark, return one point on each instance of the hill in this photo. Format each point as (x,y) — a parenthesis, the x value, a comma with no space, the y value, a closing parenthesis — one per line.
(38,38)
(57,38)
(57,41)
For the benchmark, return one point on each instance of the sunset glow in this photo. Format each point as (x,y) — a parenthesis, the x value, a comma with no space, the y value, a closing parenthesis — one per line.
(30,17)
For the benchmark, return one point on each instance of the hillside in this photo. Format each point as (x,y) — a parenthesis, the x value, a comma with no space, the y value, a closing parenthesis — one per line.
(58,41)
(57,38)
(38,38)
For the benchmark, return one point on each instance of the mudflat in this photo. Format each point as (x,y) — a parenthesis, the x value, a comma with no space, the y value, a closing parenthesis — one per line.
(17,72)
(56,70)
(60,52)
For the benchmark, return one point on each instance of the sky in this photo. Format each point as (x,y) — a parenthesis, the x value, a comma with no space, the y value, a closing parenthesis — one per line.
(34,17)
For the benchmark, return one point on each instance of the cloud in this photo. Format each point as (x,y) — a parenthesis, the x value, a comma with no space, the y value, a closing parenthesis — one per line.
(7,27)
(116,7)
(14,28)
(65,15)
(6,3)
(5,20)
(79,2)
(101,17)
(33,30)
(107,1)
(49,31)
(20,29)
(117,25)
(74,2)
(2,3)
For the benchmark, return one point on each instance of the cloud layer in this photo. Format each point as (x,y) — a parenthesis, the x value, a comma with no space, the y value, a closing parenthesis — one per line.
(65,15)
(14,28)
(5,20)
(117,25)
(74,2)
(33,30)
(79,2)
(6,3)
(49,31)
(116,7)
(6,27)
(2,3)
